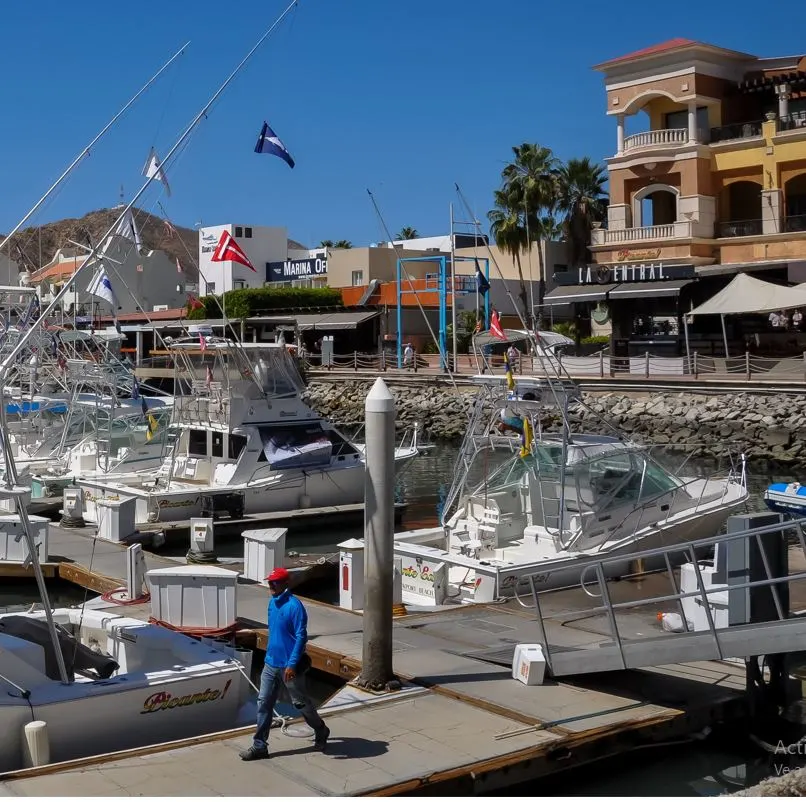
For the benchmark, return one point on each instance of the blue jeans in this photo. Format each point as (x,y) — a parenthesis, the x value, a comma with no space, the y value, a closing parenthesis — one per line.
(270,682)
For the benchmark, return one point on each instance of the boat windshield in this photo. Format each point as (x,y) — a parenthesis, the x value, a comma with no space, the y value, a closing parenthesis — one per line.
(545,460)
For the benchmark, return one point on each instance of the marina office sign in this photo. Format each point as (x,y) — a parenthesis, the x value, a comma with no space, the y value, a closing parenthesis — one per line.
(632,272)
(295,268)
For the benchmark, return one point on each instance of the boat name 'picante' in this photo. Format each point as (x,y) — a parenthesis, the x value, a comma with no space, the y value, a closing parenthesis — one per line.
(162,700)
(411,572)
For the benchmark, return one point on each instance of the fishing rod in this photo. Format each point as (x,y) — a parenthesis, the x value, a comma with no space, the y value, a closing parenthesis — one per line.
(86,150)
(11,488)
(8,361)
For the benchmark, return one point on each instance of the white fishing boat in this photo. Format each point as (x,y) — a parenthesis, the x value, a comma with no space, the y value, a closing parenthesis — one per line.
(527,504)
(246,443)
(130,684)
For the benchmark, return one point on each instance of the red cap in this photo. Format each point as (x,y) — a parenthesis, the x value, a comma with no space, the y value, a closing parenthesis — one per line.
(278,575)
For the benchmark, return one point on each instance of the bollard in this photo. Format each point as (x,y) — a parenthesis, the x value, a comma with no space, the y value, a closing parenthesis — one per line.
(35,744)
(379,522)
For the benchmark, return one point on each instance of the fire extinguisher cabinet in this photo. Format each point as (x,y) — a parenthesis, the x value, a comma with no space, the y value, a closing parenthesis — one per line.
(351,574)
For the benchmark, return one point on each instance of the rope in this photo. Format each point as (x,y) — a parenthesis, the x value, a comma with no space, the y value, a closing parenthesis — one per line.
(109,597)
(201,558)
(72,523)
(199,632)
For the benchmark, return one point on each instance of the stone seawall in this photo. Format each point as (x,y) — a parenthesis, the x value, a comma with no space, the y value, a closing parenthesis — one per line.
(764,427)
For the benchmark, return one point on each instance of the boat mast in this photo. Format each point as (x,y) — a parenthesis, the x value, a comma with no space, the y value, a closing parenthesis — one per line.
(11,489)
(86,151)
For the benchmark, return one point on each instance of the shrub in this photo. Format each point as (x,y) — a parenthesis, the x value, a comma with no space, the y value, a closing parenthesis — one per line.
(257,300)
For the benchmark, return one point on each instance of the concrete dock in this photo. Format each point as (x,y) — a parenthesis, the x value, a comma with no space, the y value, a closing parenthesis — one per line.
(460,724)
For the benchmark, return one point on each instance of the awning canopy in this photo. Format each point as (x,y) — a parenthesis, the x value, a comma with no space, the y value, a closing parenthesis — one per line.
(651,289)
(577,293)
(332,321)
(746,295)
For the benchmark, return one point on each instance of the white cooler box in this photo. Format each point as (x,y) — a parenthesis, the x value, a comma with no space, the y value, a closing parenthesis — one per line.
(528,664)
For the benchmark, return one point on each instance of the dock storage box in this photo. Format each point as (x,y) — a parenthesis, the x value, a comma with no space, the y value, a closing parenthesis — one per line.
(528,664)
(263,551)
(194,596)
(116,518)
(14,544)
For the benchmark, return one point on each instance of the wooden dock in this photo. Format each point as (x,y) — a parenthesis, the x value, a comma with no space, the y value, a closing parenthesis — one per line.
(460,725)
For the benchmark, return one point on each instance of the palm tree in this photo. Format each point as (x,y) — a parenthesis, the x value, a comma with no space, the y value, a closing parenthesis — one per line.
(326,243)
(407,232)
(583,201)
(528,194)
(343,243)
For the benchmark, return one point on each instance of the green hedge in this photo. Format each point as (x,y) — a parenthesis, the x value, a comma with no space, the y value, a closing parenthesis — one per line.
(599,339)
(255,301)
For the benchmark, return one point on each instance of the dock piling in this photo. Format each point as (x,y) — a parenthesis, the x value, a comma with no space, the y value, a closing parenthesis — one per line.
(379,522)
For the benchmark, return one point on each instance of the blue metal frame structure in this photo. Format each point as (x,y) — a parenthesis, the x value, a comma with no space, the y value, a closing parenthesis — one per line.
(442,289)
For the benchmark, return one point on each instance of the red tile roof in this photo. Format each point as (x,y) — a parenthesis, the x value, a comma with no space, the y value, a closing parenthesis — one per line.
(57,270)
(671,44)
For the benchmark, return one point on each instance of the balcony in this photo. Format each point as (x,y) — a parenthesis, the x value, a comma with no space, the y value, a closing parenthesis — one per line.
(795,223)
(793,122)
(620,236)
(730,133)
(664,137)
(740,228)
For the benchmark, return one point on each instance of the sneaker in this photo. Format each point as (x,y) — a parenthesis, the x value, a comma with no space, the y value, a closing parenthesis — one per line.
(321,738)
(253,753)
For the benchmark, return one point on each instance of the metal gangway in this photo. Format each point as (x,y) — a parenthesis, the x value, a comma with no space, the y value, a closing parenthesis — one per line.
(740,601)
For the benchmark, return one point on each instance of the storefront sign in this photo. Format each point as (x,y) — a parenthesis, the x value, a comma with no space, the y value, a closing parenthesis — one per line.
(295,268)
(616,274)
(628,255)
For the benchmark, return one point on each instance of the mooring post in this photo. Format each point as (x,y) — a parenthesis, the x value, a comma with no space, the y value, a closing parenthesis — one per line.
(379,536)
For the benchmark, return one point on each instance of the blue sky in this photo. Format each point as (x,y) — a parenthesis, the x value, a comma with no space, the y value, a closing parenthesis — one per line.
(404,98)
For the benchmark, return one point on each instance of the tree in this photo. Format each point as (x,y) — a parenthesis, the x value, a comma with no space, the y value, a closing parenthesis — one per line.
(343,243)
(583,201)
(326,243)
(407,232)
(527,194)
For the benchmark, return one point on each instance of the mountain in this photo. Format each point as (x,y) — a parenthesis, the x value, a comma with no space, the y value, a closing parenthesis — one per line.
(184,245)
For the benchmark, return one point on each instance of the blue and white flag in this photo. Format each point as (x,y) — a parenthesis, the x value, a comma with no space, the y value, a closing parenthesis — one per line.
(482,285)
(269,142)
(101,287)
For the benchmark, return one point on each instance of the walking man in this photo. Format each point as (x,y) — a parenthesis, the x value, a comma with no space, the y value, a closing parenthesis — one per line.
(286,663)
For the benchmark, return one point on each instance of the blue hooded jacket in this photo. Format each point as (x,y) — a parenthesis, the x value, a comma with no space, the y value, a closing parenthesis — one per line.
(288,631)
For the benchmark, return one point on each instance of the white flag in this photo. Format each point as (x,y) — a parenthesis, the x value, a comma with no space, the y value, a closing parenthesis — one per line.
(101,287)
(153,167)
(127,229)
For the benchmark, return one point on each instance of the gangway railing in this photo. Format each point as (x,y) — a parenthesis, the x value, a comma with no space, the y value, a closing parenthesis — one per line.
(616,649)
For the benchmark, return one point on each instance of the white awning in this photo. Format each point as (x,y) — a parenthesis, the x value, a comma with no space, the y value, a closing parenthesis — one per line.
(649,289)
(746,295)
(577,294)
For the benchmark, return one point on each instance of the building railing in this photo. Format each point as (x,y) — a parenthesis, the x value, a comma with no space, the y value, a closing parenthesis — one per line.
(795,222)
(726,133)
(597,366)
(794,122)
(739,228)
(606,236)
(663,136)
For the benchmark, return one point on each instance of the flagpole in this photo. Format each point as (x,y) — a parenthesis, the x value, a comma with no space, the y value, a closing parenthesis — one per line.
(453,292)
(86,150)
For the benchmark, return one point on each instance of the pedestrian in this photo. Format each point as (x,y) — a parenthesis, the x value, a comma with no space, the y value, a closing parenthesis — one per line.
(286,664)
(408,357)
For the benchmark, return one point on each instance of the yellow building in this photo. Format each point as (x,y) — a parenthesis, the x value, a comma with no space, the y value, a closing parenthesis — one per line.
(708,179)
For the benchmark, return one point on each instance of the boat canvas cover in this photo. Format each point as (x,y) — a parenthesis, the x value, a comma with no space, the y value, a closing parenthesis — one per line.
(289,448)
(746,295)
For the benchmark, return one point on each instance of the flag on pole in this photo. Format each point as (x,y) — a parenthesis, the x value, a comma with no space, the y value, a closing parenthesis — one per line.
(508,372)
(135,388)
(152,426)
(178,266)
(143,406)
(101,287)
(127,229)
(194,302)
(477,330)
(228,250)
(202,342)
(482,285)
(170,229)
(495,326)
(269,142)
(527,435)
(153,169)
(209,377)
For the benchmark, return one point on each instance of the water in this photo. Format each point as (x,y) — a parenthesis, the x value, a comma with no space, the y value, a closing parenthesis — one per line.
(19,594)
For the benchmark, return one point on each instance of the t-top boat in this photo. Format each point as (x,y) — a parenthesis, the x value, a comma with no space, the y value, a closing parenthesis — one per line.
(530,503)
(245,442)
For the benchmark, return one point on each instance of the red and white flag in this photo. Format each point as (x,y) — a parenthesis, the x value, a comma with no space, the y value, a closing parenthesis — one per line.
(495,326)
(202,342)
(178,266)
(194,302)
(228,250)
(170,229)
